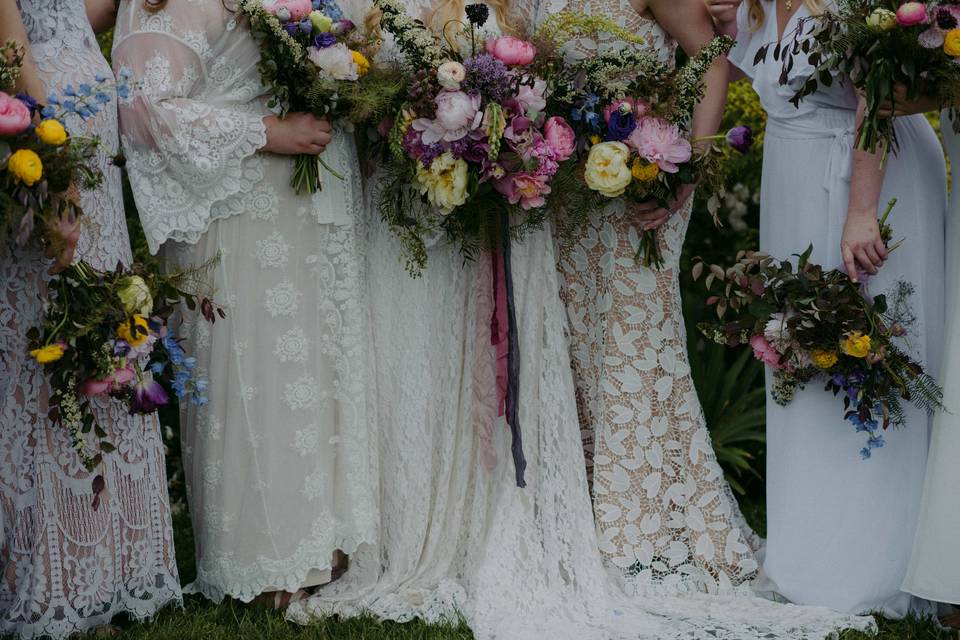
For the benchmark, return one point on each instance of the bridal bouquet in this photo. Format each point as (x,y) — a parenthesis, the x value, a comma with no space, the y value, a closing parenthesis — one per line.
(313,60)
(880,44)
(471,138)
(40,164)
(630,112)
(106,333)
(806,324)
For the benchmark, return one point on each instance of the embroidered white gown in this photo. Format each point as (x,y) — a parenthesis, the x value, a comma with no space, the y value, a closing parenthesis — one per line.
(840,528)
(457,535)
(934,570)
(278,464)
(68,568)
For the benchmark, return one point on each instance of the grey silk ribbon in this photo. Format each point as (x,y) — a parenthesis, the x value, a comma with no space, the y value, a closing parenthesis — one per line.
(513,360)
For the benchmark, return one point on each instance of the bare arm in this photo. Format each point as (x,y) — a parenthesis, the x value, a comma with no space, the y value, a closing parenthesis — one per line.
(102,14)
(11,28)
(861,245)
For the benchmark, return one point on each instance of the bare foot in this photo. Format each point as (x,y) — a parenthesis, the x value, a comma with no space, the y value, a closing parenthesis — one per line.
(280,600)
(952,621)
(339,566)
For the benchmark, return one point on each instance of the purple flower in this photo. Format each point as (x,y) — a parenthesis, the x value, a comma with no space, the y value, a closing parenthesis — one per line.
(324,40)
(28,102)
(740,138)
(293,28)
(477,14)
(488,77)
(621,124)
(148,395)
(343,27)
(306,27)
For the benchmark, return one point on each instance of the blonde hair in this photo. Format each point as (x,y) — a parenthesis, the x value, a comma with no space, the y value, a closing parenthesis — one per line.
(756,14)
(446,16)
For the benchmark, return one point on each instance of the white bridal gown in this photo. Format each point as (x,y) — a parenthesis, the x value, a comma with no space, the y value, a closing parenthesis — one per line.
(840,528)
(278,464)
(457,535)
(68,568)
(934,571)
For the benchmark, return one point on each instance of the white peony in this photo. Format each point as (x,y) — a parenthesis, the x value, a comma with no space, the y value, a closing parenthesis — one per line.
(335,61)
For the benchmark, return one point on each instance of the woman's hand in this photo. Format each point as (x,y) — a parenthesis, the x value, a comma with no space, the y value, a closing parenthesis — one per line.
(724,13)
(651,216)
(297,134)
(861,245)
(908,107)
(67,231)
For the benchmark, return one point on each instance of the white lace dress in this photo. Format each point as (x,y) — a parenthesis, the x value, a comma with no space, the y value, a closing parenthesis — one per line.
(458,536)
(665,513)
(67,567)
(278,464)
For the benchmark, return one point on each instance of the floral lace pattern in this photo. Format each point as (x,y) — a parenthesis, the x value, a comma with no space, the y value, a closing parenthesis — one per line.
(278,465)
(67,567)
(665,515)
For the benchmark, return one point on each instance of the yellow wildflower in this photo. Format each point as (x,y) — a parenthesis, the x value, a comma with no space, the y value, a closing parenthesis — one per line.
(51,132)
(26,166)
(951,43)
(644,172)
(143,330)
(823,358)
(49,353)
(363,65)
(856,344)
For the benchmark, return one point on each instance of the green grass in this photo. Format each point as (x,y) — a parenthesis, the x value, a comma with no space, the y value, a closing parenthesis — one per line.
(202,620)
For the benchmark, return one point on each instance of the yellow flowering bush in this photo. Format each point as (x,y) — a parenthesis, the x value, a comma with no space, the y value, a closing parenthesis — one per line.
(25,165)
(856,345)
(607,171)
(51,132)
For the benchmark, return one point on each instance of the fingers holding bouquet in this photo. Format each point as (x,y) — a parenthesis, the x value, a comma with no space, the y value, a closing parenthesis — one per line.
(64,230)
(650,215)
(296,134)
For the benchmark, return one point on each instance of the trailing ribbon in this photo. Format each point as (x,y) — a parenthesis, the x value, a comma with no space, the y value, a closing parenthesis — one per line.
(503,285)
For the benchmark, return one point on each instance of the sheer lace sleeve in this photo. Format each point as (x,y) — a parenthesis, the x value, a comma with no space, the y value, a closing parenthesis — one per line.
(193,123)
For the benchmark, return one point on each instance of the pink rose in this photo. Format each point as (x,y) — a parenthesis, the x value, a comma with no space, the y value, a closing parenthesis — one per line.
(511,51)
(526,189)
(911,13)
(661,142)
(763,352)
(639,108)
(116,380)
(14,115)
(299,9)
(560,138)
(457,115)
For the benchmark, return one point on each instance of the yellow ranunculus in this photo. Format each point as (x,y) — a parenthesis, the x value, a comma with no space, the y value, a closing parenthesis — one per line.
(856,344)
(823,358)
(643,172)
(951,43)
(607,170)
(882,20)
(25,165)
(51,132)
(363,65)
(444,182)
(49,353)
(143,331)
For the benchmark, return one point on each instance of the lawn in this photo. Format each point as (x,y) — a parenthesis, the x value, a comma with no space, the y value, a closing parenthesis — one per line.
(202,620)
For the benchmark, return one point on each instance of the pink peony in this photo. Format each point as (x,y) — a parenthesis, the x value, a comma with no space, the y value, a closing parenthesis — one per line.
(639,108)
(531,99)
(298,9)
(115,381)
(14,115)
(511,51)
(560,138)
(457,115)
(911,13)
(763,352)
(659,141)
(524,188)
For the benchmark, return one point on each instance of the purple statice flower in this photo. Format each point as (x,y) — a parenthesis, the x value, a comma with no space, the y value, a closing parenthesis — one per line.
(740,138)
(487,77)
(424,153)
(148,396)
(324,40)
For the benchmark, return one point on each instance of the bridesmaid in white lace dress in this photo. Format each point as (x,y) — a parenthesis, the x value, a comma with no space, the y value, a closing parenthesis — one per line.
(278,466)
(840,528)
(665,514)
(68,567)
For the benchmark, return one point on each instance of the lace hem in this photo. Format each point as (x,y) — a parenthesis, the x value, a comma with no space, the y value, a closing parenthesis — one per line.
(245,585)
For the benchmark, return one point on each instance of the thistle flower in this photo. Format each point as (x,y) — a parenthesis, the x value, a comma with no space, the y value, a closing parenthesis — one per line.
(477,14)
